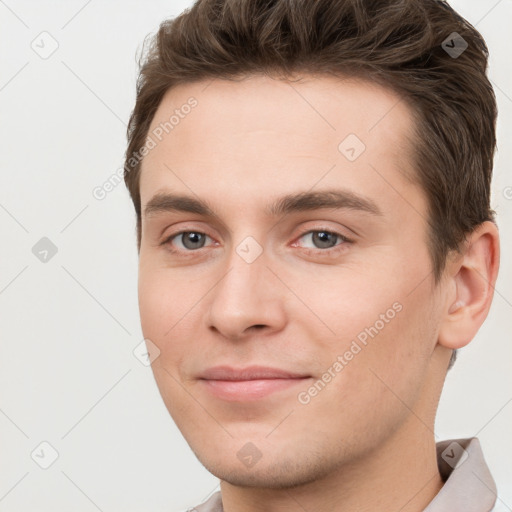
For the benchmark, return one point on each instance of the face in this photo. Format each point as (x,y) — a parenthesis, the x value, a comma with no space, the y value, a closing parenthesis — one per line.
(284,274)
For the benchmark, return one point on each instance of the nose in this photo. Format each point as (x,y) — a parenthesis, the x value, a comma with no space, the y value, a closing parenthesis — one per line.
(247,298)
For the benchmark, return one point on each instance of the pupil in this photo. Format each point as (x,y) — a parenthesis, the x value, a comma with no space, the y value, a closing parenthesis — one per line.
(191,240)
(321,238)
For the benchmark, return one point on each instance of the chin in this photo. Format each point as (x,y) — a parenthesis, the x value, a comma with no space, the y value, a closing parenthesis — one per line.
(270,473)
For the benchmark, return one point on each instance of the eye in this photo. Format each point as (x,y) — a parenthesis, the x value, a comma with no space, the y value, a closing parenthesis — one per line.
(187,240)
(323,239)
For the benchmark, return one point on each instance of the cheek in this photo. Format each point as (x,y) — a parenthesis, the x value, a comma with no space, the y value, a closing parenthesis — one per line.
(163,301)
(375,383)
(152,303)
(339,305)
(396,357)
(171,309)
(160,314)
(380,323)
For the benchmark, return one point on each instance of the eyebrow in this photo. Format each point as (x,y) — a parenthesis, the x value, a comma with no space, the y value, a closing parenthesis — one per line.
(298,202)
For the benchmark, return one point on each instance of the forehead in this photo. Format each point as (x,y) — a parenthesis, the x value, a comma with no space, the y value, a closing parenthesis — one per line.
(260,136)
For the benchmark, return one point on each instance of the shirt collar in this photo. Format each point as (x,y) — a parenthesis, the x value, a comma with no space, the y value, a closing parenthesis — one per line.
(469,485)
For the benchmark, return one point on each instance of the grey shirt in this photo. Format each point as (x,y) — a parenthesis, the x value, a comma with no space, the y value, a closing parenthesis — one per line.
(468,487)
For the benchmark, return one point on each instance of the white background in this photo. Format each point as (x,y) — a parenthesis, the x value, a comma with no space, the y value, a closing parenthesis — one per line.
(69,326)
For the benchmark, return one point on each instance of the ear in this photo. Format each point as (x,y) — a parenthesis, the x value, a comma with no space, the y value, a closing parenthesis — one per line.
(470,284)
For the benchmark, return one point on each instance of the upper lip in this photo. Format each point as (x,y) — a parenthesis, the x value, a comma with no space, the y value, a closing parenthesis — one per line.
(248,373)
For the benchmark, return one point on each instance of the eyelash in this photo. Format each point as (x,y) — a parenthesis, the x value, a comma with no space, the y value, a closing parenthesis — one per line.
(330,251)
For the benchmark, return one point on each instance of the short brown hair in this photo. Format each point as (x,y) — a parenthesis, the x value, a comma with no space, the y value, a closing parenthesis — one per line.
(400,44)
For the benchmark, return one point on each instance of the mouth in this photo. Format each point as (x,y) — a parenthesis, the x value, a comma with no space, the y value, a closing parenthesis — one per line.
(248,384)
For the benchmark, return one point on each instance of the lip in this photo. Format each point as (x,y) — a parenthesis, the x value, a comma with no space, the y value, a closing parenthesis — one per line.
(248,384)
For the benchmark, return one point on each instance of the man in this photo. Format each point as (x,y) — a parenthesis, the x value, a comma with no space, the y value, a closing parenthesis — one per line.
(312,181)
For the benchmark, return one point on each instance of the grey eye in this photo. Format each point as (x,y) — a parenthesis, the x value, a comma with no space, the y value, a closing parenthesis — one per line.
(324,239)
(192,239)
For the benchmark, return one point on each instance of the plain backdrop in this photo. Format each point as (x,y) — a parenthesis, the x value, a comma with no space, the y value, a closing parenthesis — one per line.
(69,325)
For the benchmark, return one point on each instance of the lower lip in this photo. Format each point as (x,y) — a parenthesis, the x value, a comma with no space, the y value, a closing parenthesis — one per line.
(248,390)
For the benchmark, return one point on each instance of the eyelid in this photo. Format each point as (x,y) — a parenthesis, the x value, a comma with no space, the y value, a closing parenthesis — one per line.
(344,239)
(185,227)
(168,238)
(305,231)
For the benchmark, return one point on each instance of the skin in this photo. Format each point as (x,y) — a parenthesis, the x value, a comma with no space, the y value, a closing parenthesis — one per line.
(366,440)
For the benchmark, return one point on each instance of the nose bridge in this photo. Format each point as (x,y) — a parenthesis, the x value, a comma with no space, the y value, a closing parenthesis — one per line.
(247,263)
(243,286)
(245,296)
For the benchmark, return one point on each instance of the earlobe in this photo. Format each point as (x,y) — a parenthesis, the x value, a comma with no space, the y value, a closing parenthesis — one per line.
(471,281)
